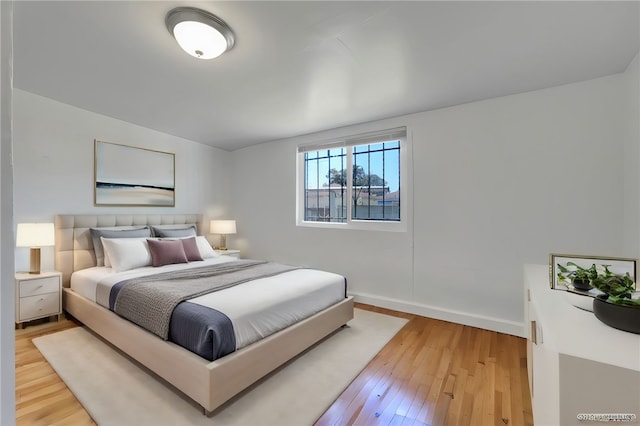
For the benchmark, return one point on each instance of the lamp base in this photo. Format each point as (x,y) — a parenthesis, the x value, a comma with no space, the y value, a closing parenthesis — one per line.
(34,257)
(223,243)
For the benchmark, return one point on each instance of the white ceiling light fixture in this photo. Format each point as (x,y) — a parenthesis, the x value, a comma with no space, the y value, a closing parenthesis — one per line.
(201,34)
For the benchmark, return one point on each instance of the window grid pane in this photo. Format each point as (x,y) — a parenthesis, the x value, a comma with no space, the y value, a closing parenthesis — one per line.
(324,199)
(376,184)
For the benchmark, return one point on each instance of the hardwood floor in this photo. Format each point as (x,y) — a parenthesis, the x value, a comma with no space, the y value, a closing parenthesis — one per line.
(439,373)
(431,373)
(41,397)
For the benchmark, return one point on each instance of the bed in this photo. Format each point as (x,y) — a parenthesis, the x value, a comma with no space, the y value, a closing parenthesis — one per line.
(208,383)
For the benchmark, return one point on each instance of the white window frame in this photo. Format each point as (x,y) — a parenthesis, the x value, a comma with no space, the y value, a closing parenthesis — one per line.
(348,143)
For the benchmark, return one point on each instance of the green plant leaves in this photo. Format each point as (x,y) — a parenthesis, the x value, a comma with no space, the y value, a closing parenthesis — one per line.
(617,287)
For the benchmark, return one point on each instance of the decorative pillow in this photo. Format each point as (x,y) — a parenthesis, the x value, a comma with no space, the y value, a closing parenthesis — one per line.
(97,233)
(205,249)
(191,248)
(174,232)
(127,253)
(166,252)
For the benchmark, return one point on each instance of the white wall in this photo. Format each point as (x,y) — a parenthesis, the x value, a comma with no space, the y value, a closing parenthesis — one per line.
(497,184)
(54,160)
(631,90)
(7,315)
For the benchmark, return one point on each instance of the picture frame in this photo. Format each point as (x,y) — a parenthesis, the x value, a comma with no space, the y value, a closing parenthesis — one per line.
(617,265)
(130,176)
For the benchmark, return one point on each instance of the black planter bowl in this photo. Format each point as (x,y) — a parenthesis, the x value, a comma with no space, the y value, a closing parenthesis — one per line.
(622,317)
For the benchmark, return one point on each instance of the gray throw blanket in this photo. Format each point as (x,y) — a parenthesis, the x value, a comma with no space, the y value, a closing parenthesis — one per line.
(149,301)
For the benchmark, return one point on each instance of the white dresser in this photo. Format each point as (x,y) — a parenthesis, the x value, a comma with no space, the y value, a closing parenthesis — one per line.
(577,364)
(38,296)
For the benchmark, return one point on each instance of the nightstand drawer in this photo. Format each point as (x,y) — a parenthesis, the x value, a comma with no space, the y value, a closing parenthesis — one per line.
(40,286)
(39,306)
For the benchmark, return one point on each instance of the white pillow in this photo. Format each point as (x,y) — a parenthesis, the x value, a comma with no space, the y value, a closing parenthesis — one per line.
(107,262)
(127,253)
(205,248)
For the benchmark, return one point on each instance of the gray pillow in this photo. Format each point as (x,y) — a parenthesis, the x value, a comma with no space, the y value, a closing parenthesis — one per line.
(174,232)
(96,233)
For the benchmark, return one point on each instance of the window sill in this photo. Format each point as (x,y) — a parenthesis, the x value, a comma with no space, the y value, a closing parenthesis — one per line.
(358,225)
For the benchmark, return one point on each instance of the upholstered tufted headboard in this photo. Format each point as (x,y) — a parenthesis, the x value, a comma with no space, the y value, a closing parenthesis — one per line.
(74,247)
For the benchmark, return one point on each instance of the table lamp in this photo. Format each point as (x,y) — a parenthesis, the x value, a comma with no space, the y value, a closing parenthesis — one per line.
(35,235)
(222,227)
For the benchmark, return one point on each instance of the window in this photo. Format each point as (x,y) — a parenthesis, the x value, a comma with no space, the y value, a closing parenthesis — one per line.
(371,196)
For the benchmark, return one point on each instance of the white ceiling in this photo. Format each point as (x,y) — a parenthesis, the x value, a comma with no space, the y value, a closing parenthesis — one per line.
(301,67)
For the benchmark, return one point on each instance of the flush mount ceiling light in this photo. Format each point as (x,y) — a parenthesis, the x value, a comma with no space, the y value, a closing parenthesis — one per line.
(200,33)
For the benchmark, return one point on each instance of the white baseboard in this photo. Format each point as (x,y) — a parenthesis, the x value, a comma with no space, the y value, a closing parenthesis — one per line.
(480,321)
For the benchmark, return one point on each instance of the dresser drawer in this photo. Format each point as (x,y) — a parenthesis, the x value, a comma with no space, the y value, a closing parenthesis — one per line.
(38,306)
(40,286)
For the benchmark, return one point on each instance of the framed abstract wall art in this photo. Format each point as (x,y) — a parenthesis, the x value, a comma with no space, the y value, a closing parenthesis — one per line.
(130,176)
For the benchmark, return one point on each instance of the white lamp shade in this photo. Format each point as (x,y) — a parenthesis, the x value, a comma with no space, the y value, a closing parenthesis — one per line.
(200,40)
(223,227)
(35,235)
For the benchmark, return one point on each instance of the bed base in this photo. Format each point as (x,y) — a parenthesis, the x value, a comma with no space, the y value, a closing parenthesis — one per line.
(209,383)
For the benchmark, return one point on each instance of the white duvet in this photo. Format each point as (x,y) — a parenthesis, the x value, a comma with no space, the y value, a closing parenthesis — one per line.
(257,308)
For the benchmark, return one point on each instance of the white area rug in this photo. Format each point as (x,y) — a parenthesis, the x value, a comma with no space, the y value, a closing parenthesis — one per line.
(116,391)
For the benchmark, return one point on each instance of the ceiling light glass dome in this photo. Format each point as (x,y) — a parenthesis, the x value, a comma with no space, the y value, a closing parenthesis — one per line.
(199,33)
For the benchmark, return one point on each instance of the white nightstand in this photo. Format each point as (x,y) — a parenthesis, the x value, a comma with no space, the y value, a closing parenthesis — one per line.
(230,253)
(38,296)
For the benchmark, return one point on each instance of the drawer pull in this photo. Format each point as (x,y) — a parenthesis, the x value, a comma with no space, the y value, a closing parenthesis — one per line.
(533,335)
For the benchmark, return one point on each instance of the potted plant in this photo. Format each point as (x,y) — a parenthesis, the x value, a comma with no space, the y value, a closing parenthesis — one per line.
(619,304)
(579,277)
(619,289)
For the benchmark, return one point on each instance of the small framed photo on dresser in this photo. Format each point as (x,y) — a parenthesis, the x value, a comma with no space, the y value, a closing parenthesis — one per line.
(572,272)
